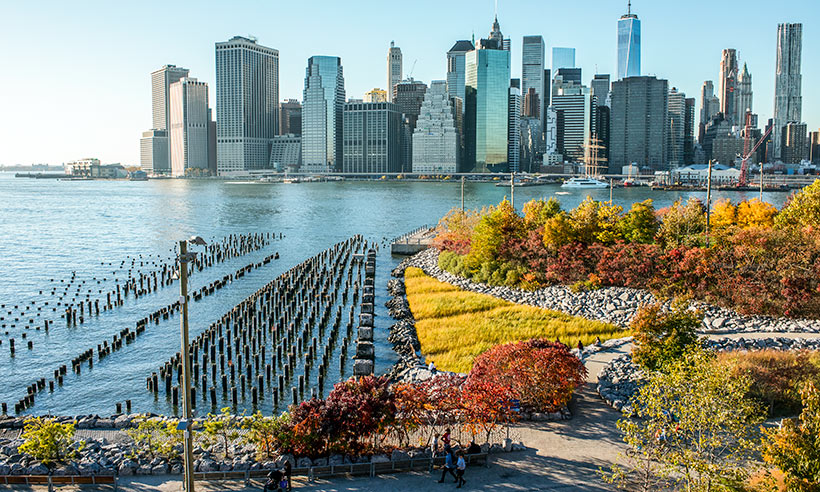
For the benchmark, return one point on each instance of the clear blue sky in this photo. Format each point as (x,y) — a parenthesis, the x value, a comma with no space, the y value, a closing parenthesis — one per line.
(75,75)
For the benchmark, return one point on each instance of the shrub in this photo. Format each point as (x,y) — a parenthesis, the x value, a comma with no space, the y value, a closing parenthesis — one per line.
(48,441)
(272,436)
(156,439)
(663,337)
(682,224)
(802,210)
(795,447)
(640,224)
(223,427)
(455,230)
(539,373)
(500,224)
(538,212)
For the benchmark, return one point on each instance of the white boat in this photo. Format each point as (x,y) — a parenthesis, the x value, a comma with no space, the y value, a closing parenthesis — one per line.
(584,183)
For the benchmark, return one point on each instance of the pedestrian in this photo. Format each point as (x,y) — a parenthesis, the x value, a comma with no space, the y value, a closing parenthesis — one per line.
(445,439)
(274,479)
(580,346)
(449,465)
(461,467)
(288,473)
(434,446)
(432,367)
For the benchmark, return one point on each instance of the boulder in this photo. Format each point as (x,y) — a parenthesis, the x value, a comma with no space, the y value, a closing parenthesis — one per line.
(399,455)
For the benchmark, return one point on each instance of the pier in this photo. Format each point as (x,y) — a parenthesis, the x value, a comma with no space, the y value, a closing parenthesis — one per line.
(413,242)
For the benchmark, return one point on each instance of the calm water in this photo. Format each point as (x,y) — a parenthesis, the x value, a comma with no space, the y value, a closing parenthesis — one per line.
(49,229)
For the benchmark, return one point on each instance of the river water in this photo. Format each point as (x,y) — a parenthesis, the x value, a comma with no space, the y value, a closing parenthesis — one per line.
(50,229)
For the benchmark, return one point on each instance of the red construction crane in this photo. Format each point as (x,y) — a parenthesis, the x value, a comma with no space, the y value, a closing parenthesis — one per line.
(744,167)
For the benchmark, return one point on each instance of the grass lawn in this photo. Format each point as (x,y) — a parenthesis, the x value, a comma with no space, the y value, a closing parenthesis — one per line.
(455,326)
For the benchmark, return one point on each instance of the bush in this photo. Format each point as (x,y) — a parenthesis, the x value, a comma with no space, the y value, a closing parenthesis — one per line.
(223,427)
(802,210)
(682,224)
(539,373)
(663,337)
(48,441)
(272,436)
(156,439)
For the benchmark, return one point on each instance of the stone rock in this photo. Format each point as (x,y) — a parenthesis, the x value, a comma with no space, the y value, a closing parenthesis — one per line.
(304,463)
(336,459)
(127,468)
(399,455)
(320,462)
(379,458)
(208,466)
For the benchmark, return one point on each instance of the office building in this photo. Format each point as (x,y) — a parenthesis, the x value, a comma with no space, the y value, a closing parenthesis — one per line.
(496,40)
(247,104)
(599,88)
(408,95)
(161,81)
(531,135)
(562,58)
(794,143)
(814,149)
(487,83)
(629,45)
(372,134)
(677,127)
(576,118)
(513,127)
(376,96)
(709,106)
(744,97)
(639,123)
(154,152)
(323,104)
(532,75)
(788,95)
(551,132)
(190,119)
(689,132)
(394,69)
(547,92)
(456,67)
(286,152)
(572,75)
(728,85)
(436,146)
(603,117)
(290,117)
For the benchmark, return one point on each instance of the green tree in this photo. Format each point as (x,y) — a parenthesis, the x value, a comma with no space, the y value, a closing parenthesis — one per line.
(640,224)
(794,447)
(663,336)
(155,438)
(48,441)
(802,210)
(683,224)
(538,212)
(694,422)
(499,225)
(223,428)
(270,435)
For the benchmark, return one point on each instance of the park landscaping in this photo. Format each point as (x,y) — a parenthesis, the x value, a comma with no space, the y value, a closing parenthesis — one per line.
(456,326)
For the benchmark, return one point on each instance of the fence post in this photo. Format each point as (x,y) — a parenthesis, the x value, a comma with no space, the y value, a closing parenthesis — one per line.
(372,470)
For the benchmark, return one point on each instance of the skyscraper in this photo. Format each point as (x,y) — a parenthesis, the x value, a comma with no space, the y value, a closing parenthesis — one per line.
(677,127)
(569,75)
(154,152)
(814,149)
(376,95)
(689,132)
(189,127)
(408,95)
(371,138)
(513,127)
(629,44)
(562,58)
(709,106)
(599,88)
(455,68)
(153,143)
(639,123)
(436,139)
(394,69)
(323,104)
(788,99)
(744,98)
(728,85)
(487,83)
(576,118)
(793,142)
(290,117)
(531,106)
(532,72)
(247,104)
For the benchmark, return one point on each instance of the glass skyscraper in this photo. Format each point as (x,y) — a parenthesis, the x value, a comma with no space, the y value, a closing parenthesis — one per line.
(532,70)
(486,92)
(323,114)
(455,68)
(629,45)
(562,58)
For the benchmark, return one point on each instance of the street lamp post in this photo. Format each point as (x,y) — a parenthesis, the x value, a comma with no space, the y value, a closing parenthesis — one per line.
(184,258)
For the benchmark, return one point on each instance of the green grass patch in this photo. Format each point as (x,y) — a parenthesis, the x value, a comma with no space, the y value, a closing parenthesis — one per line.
(455,326)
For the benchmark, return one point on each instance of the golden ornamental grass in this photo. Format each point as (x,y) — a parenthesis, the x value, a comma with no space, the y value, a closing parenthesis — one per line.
(455,326)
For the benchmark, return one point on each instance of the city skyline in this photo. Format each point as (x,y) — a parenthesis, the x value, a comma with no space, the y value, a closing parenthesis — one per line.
(100,122)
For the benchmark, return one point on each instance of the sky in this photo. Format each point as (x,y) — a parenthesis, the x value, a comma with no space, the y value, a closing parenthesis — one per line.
(75,76)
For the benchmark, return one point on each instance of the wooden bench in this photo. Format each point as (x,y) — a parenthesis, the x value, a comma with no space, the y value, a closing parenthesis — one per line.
(59,480)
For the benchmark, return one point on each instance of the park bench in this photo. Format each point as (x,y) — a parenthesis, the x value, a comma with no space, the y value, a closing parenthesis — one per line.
(59,480)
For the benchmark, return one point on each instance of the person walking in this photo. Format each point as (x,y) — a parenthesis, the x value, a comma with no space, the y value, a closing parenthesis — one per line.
(449,465)
(288,473)
(445,439)
(434,446)
(461,467)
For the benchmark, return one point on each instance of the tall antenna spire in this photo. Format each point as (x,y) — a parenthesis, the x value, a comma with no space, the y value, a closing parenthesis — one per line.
(628,7)
(496,9)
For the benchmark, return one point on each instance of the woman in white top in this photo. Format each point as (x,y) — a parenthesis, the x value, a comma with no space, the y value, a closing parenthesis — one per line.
(461,467)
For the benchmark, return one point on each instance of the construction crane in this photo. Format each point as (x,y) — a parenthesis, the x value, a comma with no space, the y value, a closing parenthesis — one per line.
(743,180)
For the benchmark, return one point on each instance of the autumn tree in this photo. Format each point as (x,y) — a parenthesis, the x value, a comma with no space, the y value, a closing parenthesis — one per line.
(754,213)
(538,212)
(794,447)
(682,224)
(802,209)
(48,441)
(221,428)
(695,423)
(155,438)
(640,224)
(663,336)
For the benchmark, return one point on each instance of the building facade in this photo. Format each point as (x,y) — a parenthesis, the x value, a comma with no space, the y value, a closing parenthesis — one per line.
(814,147)
(161,81)
(599,88)
(513,127)
(794,142)
(532,75)
(408,95)
(629,45)
(154,152)
(689,132)
(639,123)
(485,113)
(677,127)
(286,152)
(745,96)
(576,119)
(436,146)
(456,68)
(247,104)
(728,85)
(709,106)
(190,121)
(323,102)
(562,58)
(394,69)
(788,91)
(376,96)
(372,138)
(290,117)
